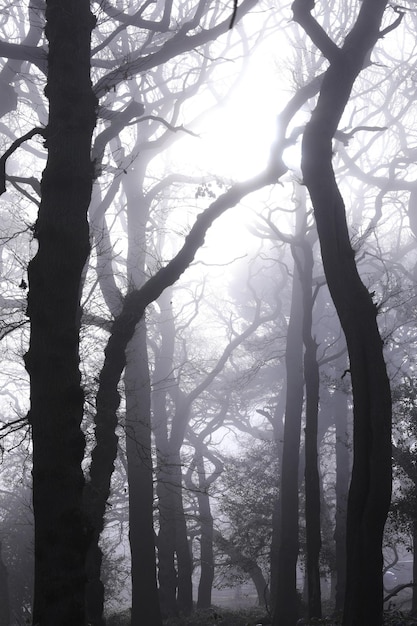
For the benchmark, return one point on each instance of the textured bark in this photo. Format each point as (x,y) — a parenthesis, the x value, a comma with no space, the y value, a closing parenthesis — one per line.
(370,488)
(286,599)
(52,361)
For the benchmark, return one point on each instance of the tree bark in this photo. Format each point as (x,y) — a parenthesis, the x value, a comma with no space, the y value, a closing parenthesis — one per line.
(167,574)
(52,361)
(286,598)
(311,472)
(414,596)
(4,594)
(247,565)
(370,489)
(340,400)
(145,600)
(207,533)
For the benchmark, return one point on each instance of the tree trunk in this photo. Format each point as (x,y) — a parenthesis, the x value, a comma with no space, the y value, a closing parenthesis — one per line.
(414,597)
(286,603)
(175,583)
(145,600)
(4,594)
(370,488)
(278,430)
(206,547)
(167,574)
(261,585)
(311,473)
(340,400)
(52,361)
(247,565)
(182,546)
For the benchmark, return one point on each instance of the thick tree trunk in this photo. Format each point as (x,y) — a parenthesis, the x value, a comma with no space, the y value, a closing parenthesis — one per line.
(370,488)
(145,600)
(286,598)
(56,410)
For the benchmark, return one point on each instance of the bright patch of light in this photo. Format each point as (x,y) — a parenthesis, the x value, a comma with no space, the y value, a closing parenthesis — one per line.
(235,140)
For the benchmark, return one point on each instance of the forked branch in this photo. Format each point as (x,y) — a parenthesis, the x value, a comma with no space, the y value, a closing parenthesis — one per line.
(15,145)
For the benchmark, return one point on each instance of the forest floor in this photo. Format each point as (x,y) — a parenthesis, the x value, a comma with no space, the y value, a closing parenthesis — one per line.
(252,617)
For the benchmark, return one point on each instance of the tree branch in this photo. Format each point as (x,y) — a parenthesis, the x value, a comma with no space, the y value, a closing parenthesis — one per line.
(394,25)
(157,118)
(15,145)
(302,15)
(397,589)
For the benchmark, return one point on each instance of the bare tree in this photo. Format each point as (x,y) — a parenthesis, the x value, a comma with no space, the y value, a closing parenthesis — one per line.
(370,488)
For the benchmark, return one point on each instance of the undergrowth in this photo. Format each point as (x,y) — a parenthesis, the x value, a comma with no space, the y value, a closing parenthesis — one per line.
(250,617)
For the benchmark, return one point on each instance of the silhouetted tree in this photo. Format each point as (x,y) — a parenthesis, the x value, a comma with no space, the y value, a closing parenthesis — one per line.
(370,488)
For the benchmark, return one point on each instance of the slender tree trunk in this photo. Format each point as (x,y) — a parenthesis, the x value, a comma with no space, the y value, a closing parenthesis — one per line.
(175,583)
(167,574)
(311,474)
(145,600)
(278,429)
(4,594)
(340,400)
(206,546)
(370,488)
(286,604)
(261,585)
(249,566)
(182,545)
(61,532)
(414,597)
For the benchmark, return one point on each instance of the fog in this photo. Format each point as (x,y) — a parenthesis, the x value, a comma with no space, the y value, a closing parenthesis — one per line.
(208,313)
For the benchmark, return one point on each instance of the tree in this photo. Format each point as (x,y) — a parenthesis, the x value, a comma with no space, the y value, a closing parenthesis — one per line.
(370,489)
(144,69)
(62,533)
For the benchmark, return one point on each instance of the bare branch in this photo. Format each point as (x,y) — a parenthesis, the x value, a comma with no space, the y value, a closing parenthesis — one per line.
(302,15)
(156,118)
(233,18)
(15,145)
(396,23)
(346,137)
